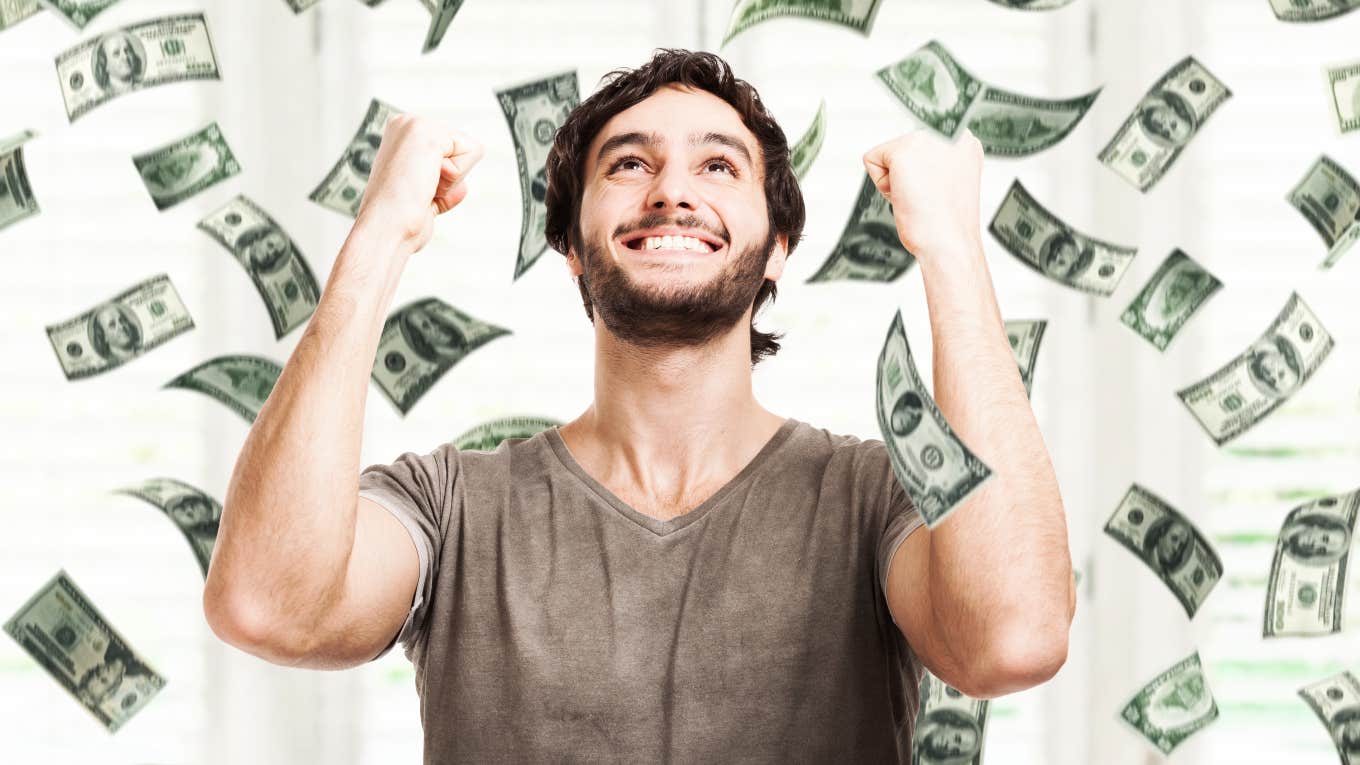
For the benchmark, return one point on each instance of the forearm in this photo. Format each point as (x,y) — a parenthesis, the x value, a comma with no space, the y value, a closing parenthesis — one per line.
(1000,568)
(288,522)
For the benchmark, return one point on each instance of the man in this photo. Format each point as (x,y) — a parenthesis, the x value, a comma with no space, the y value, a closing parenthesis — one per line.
(118,62)
(678,574)
(266,249)
(114,333)
(1274,366)
(1063,258)
(1317,540)
(1167,118)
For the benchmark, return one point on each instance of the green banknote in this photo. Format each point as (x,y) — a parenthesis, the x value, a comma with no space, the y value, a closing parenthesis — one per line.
(1329,198)
(1307,585)
(807,148)
(935,468)
(854,14)
(271,258)
(16,195)
(488,435)
(14,11)
(1168,544)
(1311,10)
(78,12)
(1024,336)
(1170,114)
(1336,702)
(441,15)
(120,329)
(950,727)
(1173,294)
(1043,242)
(869,248)
(179,170)
(1242,392)
(241,382)
(62,630)
(193,512)
(1343,85)
(534,111)
(342,190)
(1173,705)
(420,342)
(133,58)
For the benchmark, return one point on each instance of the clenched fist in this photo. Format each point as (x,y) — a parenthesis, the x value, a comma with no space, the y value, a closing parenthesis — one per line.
(933,185)
(420,172)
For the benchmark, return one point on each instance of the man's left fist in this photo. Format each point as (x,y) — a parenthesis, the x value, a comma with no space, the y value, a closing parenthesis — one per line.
(933,186)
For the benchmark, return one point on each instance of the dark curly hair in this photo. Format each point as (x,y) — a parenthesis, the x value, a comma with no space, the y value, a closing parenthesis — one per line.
(624,88)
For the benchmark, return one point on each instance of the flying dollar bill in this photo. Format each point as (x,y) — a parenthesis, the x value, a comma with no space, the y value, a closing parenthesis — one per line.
(1167,543)
(1343,84)
(1033,5)
(63,631)
(14,11)
(1311,10)
(534,111)
(854,14)
(241,382)
(869,248)
(1168,300)
(1242,392)
(182,168)
(299,6)
(342,189)
(1170,114)
(1329,198)
(420,342)
(1336,702)
(1173,705)
(488,435)
(133,58)
(16,196)
(193,512)
(810,145)
(1307,585)
(935,468)
(1024,336)
(78,12)
(944,96)
(950,727)
(271,258)
(1043,242)
(120,329)
(441,15)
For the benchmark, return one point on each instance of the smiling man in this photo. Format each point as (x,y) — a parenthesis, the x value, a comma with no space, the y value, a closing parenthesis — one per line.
(677,574)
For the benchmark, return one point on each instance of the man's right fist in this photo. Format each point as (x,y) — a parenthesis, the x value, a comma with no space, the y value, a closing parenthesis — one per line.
(420,171)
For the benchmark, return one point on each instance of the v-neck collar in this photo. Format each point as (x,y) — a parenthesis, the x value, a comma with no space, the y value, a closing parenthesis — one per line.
(656,525)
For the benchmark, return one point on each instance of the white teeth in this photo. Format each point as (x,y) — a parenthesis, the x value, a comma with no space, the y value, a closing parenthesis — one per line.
(675,243)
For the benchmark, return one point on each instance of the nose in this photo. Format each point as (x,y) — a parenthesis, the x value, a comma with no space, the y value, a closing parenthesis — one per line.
(671,189)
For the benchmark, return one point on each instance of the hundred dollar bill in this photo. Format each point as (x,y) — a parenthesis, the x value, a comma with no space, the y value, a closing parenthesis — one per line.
(1336,702)
(133,58)
(194,513)
(1170,114)
(1167,543)
(343,188)
(810,144)
(280,273)
(534,111)
(441,14)
(869,248)
(78,12)
(179,170)
(1173,294)
(120,329)
(241,382)
(934,467)
(1242,392)
(1043,242)
(1174,705)
(299,6)
(1343,84)
(934,87)
(1033,5)
(950,727)
(14,11)
(420,342)
(855,14)
(63,631)
(1307,583)
(1025,336)
(1329,198)
(1311,10)
(488,435)
(16,196)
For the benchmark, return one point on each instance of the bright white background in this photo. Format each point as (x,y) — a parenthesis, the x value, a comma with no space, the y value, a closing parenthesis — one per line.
(293,90)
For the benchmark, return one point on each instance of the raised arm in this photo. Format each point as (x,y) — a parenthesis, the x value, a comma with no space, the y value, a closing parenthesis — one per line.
(303,572)
(986,599)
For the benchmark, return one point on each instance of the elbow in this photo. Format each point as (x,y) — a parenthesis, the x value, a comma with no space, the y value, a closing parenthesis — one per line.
(243,623)
(1017,660)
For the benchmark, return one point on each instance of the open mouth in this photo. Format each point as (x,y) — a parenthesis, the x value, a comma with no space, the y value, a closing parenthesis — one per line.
(671,245)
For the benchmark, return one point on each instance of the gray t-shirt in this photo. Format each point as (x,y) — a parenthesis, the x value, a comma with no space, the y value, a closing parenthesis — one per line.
(553,622)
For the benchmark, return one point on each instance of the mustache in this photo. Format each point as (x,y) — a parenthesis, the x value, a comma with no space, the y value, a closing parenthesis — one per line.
(657,220)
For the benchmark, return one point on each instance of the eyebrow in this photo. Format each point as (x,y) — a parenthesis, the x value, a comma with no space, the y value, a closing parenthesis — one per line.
(653,140)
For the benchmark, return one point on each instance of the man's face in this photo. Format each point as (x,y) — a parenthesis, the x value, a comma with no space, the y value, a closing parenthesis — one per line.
(191,512)
(266,248)
(119,57)
(1165,119)
(1062,257)
(950,741)
(680,159)
(1276,372)
(1172,542)
(117,333)
(431,330)
(1316,542)
(105,679)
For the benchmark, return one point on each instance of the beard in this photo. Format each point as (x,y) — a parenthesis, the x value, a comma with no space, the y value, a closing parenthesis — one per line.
(671,316)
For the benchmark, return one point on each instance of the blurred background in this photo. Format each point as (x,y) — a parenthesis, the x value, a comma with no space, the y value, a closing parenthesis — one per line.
(293,91)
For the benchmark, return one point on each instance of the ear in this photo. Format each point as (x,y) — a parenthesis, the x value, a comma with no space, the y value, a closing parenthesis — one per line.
(774,267)
(573,262)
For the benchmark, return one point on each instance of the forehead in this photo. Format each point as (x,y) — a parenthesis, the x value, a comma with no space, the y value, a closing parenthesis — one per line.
(675,112)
